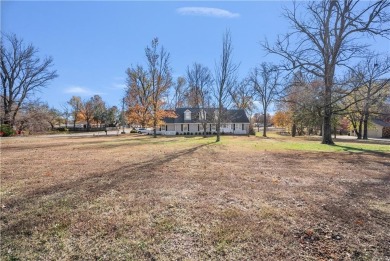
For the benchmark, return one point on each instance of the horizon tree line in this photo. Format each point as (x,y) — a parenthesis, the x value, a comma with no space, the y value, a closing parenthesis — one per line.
(315,82)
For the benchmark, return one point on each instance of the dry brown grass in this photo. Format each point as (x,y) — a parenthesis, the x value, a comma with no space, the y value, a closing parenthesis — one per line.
(139,198)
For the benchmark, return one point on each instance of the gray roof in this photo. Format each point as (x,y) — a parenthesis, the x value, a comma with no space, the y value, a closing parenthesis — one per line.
(228,116)
(381,123)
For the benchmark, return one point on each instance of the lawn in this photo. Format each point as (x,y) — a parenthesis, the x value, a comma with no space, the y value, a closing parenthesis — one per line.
(132,197)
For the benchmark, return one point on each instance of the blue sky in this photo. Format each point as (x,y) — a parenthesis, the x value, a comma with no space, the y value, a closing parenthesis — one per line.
(93,43)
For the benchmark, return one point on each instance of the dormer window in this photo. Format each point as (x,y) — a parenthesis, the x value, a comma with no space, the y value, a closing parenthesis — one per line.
(187,115)
(202,115)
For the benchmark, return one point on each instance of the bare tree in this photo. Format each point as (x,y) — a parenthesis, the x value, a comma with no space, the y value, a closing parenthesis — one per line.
(179,93)
(326,39)
(242,97)
(303,100)
(258,119)
(375,87)
(66,113)
(198,92)
(53,117)
(76,104)
(36,116)
(160,79)
(99,109)
(22,73)
(87,111)
(370,87)
(138,96)
(266,84)
(148,87)
(225,78)
(112,117)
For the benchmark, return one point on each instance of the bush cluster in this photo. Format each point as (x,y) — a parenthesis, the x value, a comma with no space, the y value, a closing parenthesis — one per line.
(6,130)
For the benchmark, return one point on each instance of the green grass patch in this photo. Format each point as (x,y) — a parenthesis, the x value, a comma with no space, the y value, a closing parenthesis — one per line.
(279,143)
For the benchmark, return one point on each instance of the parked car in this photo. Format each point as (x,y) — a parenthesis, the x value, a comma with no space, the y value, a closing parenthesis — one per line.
(144,131)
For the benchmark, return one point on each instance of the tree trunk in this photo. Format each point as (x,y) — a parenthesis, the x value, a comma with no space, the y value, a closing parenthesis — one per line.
(327,120)
(7,116)
(154,130)
(359,133)
(219,121)
(218,130)
(294,130)
(327,130)
(365,126)
(265,124)
(155,122)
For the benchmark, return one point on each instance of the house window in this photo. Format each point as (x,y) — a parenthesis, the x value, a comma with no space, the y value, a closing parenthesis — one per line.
(243,127)
(198,127)
(187,115)
(166,127)
(182,127)
(210,127)
(234,126)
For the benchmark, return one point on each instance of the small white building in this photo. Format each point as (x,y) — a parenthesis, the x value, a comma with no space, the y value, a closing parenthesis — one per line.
(378,129)
(190,121)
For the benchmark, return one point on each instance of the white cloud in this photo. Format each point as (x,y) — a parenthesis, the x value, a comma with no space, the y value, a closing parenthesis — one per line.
(119,86)
(82,91)
(207,11)
(77,90)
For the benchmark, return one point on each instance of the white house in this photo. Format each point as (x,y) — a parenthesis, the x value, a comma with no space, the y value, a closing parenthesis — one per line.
(191,120)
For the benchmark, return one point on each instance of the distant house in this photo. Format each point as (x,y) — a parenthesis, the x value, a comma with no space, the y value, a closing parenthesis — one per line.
(379,129)
(189,120)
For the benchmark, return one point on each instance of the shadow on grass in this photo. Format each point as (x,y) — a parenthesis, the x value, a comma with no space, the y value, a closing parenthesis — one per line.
(357,141)
(354,150)
(85,189)
(87,142)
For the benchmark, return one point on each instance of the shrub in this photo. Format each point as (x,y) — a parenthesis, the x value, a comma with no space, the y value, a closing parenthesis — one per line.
(177,133)
(133,131)
(192,133)
(185,133)
(6,130)
(188,133)
(63,129)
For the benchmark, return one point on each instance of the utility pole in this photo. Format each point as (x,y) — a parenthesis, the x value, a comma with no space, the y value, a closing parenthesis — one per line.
(123,116)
